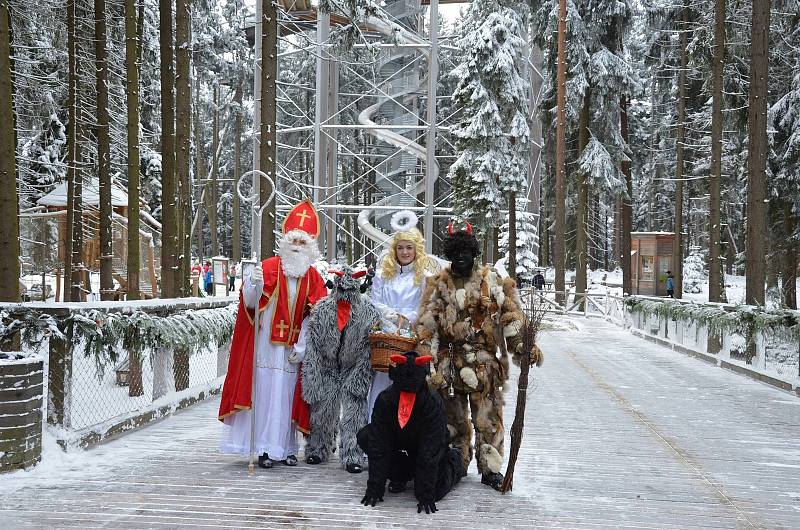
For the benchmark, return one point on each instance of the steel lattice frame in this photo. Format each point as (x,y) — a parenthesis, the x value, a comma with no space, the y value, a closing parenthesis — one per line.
(400,164)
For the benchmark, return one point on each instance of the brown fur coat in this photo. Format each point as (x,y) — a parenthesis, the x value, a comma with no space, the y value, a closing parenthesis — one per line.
(473,319)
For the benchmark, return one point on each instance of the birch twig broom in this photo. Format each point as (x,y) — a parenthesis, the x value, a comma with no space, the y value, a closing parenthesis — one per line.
(534,313)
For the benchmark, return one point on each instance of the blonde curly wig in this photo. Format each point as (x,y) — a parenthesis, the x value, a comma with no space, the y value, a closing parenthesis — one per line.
(389,265)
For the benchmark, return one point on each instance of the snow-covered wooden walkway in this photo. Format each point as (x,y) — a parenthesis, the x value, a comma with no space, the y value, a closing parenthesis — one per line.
(620,433)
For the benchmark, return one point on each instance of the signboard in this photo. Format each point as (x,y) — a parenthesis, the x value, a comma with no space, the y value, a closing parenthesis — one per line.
(220,271)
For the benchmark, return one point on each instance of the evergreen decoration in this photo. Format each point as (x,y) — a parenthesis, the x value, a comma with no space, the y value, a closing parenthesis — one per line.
(747,321)
(104,335)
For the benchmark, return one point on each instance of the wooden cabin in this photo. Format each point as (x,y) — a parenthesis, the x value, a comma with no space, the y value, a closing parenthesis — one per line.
(55,203)
(651,258)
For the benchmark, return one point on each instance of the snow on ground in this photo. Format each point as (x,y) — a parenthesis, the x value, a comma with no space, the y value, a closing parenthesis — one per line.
(619,433)
(601,282)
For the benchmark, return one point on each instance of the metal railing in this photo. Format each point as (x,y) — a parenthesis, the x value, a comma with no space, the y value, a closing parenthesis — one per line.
(771,353)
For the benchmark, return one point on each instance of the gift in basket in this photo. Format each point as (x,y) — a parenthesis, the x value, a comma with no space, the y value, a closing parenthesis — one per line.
(383,345)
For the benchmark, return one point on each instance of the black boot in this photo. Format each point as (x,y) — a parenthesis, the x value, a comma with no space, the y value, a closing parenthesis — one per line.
(495,480)
(313,459)
(353,468)
(265,461)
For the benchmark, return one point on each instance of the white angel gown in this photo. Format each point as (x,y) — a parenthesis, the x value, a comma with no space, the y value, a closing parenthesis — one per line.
(403,296)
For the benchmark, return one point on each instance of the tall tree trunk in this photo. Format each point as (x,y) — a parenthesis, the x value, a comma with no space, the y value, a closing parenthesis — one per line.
(789,258)
(715,277)
(680,136)
(512,235)
(582,210)
(169,220)
(132,95)
(625,205)
(183,151)
(103,152)
(72,146)
(544,231)
(268,126)
(214,185)
(757,151)
(200,168)
(237,173)
(9,228)
(561,149)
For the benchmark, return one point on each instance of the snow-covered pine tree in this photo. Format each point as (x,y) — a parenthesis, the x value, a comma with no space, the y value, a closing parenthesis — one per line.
(527,237)
(694,271)
(492,137)
(43,161)
(784,159)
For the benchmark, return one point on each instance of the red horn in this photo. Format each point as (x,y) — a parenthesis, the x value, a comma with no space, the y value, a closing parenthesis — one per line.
(423,360)
(337,273)
(450,228)
(359,274)
(469,229)
(398,359)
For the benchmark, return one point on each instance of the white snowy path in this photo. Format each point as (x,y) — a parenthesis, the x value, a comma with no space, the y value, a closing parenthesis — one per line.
(620,433)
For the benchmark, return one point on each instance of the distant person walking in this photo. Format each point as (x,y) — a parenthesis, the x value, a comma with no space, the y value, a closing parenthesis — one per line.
(232,277)
(208,279)
(670,285)
(538,281)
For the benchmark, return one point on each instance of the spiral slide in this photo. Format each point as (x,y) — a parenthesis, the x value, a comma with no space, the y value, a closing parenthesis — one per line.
(406,95)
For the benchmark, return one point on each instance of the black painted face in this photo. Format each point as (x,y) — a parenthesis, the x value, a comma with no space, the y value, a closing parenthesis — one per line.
(461,262)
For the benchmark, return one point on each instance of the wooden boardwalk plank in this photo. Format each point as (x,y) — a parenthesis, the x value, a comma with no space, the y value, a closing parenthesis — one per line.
(620,433)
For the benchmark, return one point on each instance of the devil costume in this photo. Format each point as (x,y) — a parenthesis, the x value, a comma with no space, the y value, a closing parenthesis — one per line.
(407,438)
(337,371)
(467,314)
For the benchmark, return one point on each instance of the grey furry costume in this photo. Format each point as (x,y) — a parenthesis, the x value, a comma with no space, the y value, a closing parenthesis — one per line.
(337,372)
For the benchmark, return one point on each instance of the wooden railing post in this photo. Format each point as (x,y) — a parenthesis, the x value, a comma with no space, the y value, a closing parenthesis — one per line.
(59,382)
(180,368)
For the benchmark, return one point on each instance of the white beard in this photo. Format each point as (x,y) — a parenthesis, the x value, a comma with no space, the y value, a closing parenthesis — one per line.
(296,259)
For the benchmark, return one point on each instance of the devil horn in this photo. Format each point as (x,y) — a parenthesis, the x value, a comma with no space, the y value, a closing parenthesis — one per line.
(423,360)
(469,229)
(398,359)
(450,228)
(359,274)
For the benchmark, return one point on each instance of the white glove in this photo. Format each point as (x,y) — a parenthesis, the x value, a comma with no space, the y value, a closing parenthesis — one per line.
(390,315)
(257,275)
(294,357)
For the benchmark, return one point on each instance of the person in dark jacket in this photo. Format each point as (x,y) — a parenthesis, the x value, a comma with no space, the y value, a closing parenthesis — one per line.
(538,281)
(407,438)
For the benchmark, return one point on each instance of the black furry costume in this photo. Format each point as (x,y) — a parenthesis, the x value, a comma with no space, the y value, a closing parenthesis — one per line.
(419,450)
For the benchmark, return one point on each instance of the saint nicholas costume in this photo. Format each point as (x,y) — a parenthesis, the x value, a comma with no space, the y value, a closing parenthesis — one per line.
(284,300)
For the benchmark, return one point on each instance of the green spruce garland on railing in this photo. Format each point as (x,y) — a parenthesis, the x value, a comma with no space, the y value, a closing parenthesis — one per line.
(743,320)
(105,334)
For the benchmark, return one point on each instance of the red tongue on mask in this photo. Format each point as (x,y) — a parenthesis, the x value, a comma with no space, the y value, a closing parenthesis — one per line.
(404,407)
(342,314)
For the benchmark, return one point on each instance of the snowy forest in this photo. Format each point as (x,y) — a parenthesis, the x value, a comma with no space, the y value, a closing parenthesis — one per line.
(562,127)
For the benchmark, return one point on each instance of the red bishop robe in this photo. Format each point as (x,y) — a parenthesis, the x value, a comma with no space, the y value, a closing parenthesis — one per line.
(284,329)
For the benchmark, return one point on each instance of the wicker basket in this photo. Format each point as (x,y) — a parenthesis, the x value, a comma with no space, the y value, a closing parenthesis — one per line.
(384,345)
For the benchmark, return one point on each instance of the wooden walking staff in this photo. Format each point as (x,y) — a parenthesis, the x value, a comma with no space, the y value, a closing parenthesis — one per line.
(534,313)
(258,212)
